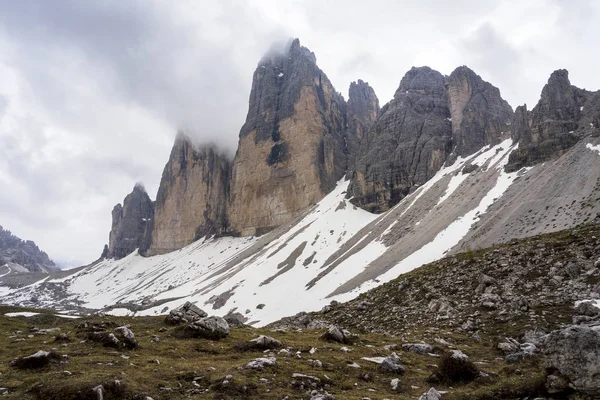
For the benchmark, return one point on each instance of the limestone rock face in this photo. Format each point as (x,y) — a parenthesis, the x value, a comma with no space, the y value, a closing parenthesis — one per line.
(192,196)
(480,116)
(431,120)
(131,224)
(291,149)
(362,110)
(408,143)
(562,116)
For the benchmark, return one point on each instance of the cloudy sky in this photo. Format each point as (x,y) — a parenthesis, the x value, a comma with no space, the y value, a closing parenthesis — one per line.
(92,93)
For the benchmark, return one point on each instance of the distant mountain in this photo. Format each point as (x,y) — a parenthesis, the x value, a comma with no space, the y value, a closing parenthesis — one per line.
(23,255)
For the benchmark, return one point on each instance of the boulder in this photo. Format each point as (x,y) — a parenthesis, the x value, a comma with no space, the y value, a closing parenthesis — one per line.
(235,319)
(336,334)
(587,308)
(392,364)
(266,343)
(188,312)
(419,348)
(213,328)
(575,353)
(126,336)
(431,394)
(40,359)
(261,363)
(454,367)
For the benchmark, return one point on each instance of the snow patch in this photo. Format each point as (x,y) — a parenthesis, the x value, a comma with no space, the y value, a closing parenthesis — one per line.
(593,148)
(21,314)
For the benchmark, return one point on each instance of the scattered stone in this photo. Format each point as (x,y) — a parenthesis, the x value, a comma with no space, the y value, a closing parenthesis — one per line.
(419,348)
(454,366)
(392,364)
(394,383)
(37,360)
(235,319)
(127,337)
(261,363)
(431,394)
(62,337)
(98,391)
(213,328)
(188,312)
(265,343)
(336,334)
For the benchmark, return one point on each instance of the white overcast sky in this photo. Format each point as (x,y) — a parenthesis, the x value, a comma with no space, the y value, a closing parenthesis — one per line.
(92,92)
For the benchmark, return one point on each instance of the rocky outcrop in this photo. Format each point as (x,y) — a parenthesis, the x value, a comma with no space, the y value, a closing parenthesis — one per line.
(563,115)
(480,116)
(192,196)
(24,253)
(131,224)
(429,119)
(362,110)
(409,142)
(291,149)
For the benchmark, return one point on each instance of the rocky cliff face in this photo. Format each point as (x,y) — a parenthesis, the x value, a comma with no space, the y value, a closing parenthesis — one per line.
(131,224)
(408,142)
(291,149)
(362,110)
(429,119)
(24,253)
(480,116)
(192,196)
(563,115)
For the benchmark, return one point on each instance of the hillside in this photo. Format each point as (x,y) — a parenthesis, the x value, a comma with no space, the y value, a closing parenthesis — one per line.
(422,317)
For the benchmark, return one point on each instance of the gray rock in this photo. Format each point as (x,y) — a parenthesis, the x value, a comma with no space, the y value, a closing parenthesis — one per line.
(235,319)
(188,312)
(127,336)
(587,308)
(213,328)
(419,348)
(575,353)
(261,363)
(431,394)
(556,383)
(509,346)
(336,334)
(266,343)
(37,360)
(392,364)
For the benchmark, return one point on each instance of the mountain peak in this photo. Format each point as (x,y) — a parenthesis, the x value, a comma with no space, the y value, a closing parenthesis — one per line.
(21,254)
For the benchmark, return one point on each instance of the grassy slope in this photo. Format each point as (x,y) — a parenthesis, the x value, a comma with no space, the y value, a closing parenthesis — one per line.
(181,360)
